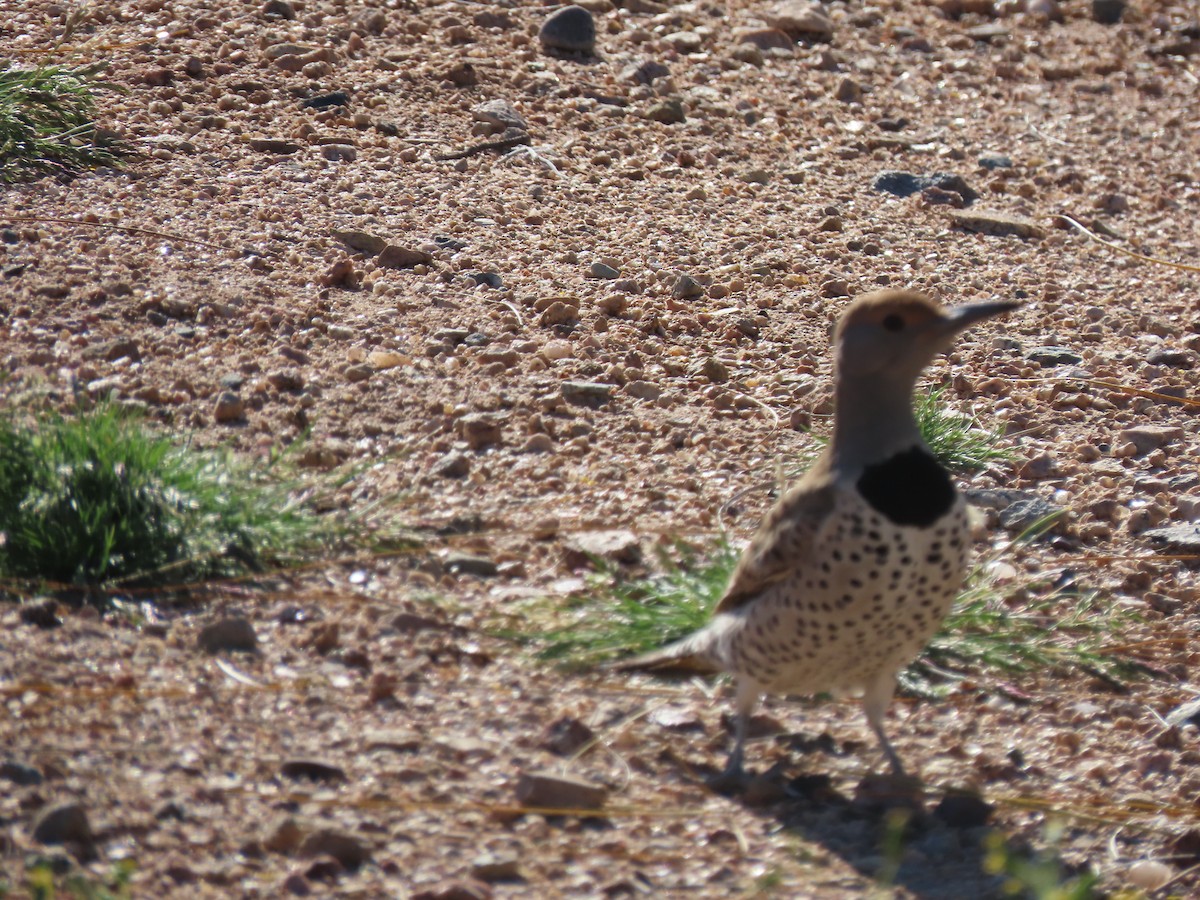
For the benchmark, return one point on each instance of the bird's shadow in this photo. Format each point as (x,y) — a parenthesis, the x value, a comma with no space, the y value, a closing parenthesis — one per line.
(922,841)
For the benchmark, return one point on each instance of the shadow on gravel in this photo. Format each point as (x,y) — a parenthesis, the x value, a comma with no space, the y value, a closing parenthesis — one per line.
(931,847)
(921,851)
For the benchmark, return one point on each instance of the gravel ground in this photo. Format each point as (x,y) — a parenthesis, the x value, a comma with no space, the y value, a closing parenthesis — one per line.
(614,317)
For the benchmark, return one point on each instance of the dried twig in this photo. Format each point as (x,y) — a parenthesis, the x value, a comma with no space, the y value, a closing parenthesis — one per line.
(502,144)
(1115,246)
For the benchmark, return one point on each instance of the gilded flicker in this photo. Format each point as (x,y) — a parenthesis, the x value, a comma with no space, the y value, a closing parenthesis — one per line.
(855,567)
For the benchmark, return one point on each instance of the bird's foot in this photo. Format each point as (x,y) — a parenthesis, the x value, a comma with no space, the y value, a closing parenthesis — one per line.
(753,790)
(729,781)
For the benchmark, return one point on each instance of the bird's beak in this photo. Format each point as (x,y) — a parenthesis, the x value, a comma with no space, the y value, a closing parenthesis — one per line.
(960,318)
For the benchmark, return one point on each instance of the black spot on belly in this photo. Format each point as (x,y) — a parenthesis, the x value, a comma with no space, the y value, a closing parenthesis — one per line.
(910,488)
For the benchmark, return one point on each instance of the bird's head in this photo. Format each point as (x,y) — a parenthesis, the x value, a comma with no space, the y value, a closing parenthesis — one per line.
(896,334)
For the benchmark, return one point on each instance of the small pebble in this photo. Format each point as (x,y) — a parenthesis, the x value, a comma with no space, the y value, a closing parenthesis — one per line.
(547,790)
(340,152)
(453,465)
(538,443)
(1149,874)
(800,19)
(345,848)
(668,112)
(603,271)
(481,430)
(231,634)
(848,91)
(396,257)
(585,393)
(229,408)
(687,288)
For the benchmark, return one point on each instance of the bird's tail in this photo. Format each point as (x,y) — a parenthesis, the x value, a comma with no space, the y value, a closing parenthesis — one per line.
(685,657)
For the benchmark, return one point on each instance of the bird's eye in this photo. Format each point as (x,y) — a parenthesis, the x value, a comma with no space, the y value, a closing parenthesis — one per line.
(893,322)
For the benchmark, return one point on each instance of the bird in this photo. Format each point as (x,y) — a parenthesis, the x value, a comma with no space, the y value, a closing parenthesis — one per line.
(854,568)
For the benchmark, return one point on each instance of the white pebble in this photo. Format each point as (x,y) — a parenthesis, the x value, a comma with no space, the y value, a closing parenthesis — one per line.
(1149,874)
(555,350)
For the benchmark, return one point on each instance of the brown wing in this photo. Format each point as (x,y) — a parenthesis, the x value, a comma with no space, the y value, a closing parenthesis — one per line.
(784,538)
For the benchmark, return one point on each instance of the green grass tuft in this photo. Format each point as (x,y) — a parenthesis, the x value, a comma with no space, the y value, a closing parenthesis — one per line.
(992,629)
(97,500)
(620,617)
(1040,876)
(959,442)
(47,121)
(41,883)
(1016,629)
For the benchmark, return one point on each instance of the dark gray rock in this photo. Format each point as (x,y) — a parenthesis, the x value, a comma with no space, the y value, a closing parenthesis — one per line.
(687,288)
(603,271)
(19,773)
(312,770)
(905,184)
(1054,356)
(1108,12)
(465,564)
(1025,514)
(453,465)
(586,393)
(644,72)
(570,29)
(1172,358)
(232,634)
(63,823)
(41,614)
(1175,538)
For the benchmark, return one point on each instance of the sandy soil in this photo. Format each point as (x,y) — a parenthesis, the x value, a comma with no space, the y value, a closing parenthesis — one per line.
(688,217)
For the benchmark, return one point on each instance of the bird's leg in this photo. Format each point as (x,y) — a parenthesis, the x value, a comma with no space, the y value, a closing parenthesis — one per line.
(875,704)
(733,777)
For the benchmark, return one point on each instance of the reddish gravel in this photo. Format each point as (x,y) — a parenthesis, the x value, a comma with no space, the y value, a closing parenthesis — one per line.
(616,319)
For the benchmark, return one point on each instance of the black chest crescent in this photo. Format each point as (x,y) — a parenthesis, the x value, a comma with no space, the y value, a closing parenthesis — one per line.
(910,488)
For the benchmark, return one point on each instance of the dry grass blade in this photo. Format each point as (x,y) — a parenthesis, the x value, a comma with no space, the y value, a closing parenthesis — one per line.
(1119,249)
